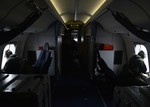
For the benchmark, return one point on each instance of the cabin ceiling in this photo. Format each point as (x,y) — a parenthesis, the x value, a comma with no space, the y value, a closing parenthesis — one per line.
(13,12)
(77,10)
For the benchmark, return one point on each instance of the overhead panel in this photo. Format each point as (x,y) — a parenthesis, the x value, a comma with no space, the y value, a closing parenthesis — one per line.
(78,10)
(65,8)
(87,8)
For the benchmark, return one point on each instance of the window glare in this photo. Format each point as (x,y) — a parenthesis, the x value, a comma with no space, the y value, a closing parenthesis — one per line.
(140,47)
(12,48)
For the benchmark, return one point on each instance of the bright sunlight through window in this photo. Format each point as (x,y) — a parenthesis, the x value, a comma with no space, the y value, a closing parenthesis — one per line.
(140,47)
(10,47)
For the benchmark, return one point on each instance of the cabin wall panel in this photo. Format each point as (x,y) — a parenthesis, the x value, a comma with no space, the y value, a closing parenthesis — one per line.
(21,41)
(118,45)
(130,41)
(129,44)
(37,40)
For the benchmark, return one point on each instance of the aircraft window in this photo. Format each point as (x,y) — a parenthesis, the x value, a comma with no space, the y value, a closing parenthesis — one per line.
(10,47)
(140,47)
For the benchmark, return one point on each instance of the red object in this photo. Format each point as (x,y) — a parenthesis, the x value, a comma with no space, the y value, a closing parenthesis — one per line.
(40,48)
(107,47)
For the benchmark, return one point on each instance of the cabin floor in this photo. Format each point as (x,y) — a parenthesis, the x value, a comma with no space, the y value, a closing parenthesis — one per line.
(75,89)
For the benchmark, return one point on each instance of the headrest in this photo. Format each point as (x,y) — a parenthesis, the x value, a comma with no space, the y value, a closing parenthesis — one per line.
(8,53)
(142,54)
(46,46)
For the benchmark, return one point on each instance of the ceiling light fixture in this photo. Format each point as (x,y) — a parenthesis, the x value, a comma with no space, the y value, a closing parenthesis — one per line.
(86,19)
(56,6)
(94,10)
(97,6)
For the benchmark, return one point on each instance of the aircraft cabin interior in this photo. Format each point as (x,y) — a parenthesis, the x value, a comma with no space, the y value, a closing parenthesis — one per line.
(74,53)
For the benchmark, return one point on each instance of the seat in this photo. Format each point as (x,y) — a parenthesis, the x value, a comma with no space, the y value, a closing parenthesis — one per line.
(44,60)
(16,65)
(106,71)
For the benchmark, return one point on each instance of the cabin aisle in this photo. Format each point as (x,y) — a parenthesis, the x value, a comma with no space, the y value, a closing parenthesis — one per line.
(74,88)
(73,91)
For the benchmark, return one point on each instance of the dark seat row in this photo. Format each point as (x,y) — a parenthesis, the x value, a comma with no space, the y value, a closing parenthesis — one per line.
(122,79)
(16,65)
(44,60)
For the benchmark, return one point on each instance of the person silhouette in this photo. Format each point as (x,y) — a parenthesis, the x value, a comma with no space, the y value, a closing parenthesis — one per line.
(8,53)
(137,65)
(133,70)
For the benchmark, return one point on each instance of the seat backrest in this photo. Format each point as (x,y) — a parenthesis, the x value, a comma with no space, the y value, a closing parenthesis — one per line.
(46,62)
(104,67)
(43,62)
(39,61)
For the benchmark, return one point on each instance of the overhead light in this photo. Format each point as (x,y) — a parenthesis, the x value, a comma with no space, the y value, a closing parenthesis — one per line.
(64,19)
(55,4)
(98,6)
(94,10)
(86,19)
(58,9)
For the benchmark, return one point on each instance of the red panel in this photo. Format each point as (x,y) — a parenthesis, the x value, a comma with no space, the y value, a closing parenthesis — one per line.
(107,47)
(40,48)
